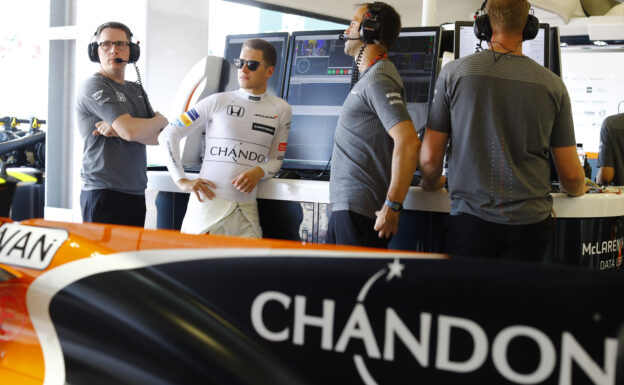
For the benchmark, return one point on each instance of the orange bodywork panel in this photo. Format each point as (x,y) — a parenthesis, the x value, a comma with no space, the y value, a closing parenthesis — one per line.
(21,357)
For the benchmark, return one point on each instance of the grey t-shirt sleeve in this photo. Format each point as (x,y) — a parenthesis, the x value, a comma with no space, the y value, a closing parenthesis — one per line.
(439,118)
(386,98)
(563,126)
(101,100)
(606,157)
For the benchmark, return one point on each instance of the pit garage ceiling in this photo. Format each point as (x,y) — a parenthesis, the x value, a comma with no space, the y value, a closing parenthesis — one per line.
(342,10)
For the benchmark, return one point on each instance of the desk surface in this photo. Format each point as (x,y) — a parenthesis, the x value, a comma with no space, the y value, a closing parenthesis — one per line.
(586,206)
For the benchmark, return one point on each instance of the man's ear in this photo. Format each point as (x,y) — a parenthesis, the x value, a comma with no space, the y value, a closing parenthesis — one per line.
(270,71)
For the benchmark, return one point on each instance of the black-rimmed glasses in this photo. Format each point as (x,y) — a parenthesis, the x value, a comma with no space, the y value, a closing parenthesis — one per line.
(251,64)
(121,45)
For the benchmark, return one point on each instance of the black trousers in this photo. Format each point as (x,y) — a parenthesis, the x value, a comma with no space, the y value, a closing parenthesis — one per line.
(352,229)
(471,236)
(110,206)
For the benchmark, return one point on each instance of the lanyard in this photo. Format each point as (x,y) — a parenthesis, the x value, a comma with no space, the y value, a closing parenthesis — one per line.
(376,59)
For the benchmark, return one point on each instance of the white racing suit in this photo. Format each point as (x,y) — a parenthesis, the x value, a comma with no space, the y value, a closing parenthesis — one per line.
(242,131)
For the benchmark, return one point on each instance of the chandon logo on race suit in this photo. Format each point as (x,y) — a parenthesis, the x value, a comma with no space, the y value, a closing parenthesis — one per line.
(29,246)
(235,151)
(337,336)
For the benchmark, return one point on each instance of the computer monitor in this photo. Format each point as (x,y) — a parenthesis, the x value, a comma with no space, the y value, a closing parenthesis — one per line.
(233,46)
(555,51)
(318,79)
(447,40)
(466,43)
(415,55)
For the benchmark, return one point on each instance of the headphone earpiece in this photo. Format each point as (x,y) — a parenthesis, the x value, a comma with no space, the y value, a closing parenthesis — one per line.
(370,28)
(531,28)
(135,52)
(93,52)
(483,29)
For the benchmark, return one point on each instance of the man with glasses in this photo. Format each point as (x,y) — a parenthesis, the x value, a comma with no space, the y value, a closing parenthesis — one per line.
(115,122)
(246,133)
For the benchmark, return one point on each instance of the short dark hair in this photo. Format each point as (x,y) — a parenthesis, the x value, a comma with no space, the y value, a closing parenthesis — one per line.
(390,22)
(508,15)
(269,54)
(116,25)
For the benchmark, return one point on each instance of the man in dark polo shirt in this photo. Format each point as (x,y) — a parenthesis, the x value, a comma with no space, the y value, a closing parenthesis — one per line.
(503,113)
(115,122)
(375,145)
(611,155)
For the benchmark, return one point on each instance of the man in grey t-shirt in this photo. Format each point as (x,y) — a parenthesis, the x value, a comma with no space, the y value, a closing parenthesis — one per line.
(503,113)
(611,155)
(115,122)
(375,145)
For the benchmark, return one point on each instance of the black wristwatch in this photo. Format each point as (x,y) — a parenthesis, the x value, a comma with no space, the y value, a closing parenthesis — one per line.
(394,206)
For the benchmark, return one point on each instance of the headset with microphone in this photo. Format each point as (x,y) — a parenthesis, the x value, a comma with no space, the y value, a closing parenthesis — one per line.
(483,28)
(135,50)
(344,37)
(370,27)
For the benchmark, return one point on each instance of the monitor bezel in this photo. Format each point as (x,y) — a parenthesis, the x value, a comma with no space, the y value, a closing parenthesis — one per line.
(555,50)
(458,25)
(544,26)
(291,48)
(437,43)
(302,167)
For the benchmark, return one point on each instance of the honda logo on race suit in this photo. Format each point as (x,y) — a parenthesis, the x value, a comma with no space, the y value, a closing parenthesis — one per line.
(237,111)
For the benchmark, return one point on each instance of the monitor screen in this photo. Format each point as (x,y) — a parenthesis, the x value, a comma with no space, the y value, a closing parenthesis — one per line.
(317,82)
(415,55)
(233,46)
(466,43)
(318,79)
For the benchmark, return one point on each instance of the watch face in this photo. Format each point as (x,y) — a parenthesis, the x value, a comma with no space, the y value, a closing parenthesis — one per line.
(394,206)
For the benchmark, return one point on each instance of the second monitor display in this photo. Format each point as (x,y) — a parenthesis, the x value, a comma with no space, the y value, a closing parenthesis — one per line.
(415,55)
(317,83)
(318,79)
(466,43)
